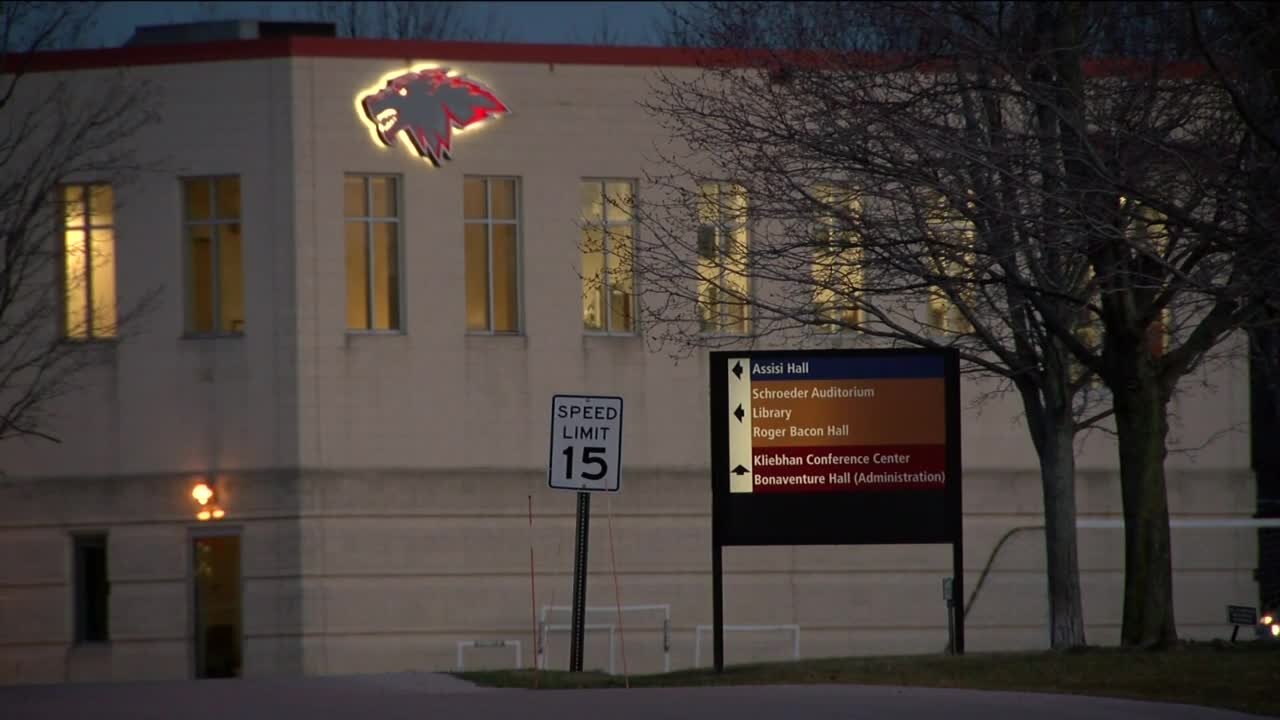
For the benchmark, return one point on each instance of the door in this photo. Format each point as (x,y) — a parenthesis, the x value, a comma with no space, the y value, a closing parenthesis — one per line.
(216,577)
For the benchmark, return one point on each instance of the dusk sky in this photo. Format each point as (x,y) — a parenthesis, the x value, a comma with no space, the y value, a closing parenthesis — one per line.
(550,22)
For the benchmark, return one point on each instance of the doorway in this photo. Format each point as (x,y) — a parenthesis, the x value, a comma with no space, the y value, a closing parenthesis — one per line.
(215,567)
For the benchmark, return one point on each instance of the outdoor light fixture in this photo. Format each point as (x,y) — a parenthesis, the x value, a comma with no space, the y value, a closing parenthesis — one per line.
(202,493)
(1269,623)
(207,498)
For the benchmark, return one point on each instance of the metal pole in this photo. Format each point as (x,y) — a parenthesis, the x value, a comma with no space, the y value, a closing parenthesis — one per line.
(951,628)
(717,601)
(957,592)
(580,583)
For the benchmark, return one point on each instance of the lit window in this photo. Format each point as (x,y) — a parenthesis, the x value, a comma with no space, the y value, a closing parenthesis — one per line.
(215,276)
(951,238)
(91,589)
(722,259)
(837,265)
(372,209)
(1148,230)
(608,241)
(1087,330)
(89,262)
(491,215)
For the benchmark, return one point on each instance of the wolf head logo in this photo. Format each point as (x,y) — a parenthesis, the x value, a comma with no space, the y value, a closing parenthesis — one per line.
(427,105)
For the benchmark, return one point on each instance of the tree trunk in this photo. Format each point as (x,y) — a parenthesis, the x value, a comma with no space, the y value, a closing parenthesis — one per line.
(1142,424)
(1057,479)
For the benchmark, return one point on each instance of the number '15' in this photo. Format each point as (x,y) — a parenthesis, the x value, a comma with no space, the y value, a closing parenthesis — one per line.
(590,456)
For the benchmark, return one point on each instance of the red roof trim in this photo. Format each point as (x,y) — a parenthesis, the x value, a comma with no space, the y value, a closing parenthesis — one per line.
(526,53)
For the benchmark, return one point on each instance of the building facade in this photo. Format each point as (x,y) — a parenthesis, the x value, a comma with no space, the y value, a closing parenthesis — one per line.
(354,348)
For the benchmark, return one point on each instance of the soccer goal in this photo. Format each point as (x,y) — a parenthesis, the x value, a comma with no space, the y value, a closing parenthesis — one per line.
(464,644)
(602,618)
(700,629)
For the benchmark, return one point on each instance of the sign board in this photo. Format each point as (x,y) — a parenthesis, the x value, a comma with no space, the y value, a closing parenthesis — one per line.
(835,447)
(586,443)
(1242,615)
(424,106)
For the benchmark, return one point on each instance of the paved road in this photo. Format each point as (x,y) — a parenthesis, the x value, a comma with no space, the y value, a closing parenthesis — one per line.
(424,695)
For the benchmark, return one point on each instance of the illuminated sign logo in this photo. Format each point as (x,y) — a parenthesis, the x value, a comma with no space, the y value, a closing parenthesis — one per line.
(426,105)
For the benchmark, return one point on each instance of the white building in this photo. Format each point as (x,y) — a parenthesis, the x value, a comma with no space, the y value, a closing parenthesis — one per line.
(374,429)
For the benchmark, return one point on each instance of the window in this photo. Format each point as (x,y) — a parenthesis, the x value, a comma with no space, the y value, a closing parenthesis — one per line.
(215,276)
(608,240)
(491,215)
(1087,329)
(1148,229)
(722,259)
(89,262)
(837,265)
(950,256)
(91,588)
(372,208)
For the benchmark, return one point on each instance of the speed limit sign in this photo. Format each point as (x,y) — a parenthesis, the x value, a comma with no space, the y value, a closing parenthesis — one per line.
(586,443)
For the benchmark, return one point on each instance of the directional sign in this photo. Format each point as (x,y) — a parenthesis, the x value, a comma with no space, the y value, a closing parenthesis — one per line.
(835,446)
(836,424)
(586,443)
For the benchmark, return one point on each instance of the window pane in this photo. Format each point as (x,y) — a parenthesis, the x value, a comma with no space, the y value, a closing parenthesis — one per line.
(75,279)
(733,200)
(477,269)
(357,278)
(707,249)
(353,198)
(593,297)
(200,279)
(621,201)
(196,203)
(384,196)
(102,259)
(506,301)
(591,202)
(230,279)
(503,195)
(473,201)
(620,285)
(386,277)
(100,200)
(227,197)
(73,205)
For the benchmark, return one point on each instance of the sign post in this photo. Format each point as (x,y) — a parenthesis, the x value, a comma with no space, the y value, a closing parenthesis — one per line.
(586,457)
(835,447)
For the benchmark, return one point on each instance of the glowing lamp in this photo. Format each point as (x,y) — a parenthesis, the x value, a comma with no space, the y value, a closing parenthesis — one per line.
(203,515)
(218,513)
(202,493)
(1267,619)
(1275,630)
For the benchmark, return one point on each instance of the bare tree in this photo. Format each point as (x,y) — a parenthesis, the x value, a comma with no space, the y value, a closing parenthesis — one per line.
(973,187)
(605,33)
(862,215)
(411,20)
(64,148)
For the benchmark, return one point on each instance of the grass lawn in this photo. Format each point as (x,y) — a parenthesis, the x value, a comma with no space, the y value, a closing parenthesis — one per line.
(1244,676)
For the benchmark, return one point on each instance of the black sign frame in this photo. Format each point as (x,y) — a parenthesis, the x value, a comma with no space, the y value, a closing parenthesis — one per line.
(756,519)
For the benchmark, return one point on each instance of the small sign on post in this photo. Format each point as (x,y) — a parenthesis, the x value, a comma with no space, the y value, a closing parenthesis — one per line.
(586,457)
(1238,615)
